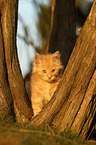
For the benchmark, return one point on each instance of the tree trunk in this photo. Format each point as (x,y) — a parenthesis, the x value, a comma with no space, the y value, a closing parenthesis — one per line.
(9,61)
(53,3)
(73,106)
(5,94)
(63,28)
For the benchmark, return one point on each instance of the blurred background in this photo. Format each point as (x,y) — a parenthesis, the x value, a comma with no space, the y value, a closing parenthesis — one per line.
(34,21)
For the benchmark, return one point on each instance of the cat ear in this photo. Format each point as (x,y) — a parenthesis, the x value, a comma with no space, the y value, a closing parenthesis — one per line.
(38,59)
(56,56)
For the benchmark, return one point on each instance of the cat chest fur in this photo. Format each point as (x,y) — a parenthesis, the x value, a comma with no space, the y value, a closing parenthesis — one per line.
(43,89)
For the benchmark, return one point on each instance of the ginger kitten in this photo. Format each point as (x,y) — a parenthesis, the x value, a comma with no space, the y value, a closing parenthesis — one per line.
(46,74)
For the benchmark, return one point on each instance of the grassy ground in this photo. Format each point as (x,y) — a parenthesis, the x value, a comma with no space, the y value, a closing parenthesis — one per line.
(14,135)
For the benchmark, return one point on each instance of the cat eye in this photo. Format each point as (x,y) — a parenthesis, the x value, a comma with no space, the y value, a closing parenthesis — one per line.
(44,71)
(53,70)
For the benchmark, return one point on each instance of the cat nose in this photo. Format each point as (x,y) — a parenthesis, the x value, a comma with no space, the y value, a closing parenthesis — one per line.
(49,76)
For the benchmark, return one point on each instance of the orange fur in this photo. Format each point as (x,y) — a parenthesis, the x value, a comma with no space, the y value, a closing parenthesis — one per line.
(45,78)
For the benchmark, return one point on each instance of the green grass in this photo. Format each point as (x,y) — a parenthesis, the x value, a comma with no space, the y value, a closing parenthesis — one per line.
(20,135)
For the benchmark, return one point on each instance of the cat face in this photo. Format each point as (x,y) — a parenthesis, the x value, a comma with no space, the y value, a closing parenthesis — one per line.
(48,67)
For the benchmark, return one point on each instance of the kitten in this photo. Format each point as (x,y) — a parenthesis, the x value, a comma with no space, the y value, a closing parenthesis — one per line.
(46,74)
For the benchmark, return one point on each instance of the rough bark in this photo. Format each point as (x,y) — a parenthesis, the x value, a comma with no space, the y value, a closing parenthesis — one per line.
(9,11)
(77,89)
(5,96)
(64,28)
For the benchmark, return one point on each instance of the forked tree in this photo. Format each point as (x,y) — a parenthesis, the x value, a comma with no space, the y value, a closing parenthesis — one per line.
(73,105)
